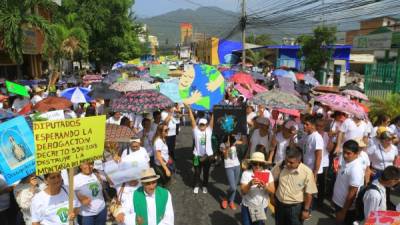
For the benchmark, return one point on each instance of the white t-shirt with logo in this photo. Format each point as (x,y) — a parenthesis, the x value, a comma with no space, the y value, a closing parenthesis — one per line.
(232,159)
(256,139)
(352,131)
(310,144)
(202,142)
(159,145)
(381,159)
(350,174)
(51,209)
(89,186)
(256,196)
(138,155)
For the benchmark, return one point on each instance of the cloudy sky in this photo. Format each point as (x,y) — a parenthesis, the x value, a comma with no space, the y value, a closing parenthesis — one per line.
(149,8)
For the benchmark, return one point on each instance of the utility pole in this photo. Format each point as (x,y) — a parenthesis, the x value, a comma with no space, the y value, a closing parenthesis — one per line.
(243,26)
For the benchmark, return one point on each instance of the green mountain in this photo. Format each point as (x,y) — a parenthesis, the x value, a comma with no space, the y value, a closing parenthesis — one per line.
(212,21)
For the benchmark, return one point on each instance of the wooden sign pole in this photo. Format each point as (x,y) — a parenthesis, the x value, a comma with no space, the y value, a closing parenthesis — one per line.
(71,192)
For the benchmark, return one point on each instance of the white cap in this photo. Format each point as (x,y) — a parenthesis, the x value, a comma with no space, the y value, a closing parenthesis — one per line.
(135,139)
(203,121)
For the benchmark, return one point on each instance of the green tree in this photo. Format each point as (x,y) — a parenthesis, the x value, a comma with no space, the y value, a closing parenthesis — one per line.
(14,15)
(257,58)
(262,39)
(112,32)
(314,48)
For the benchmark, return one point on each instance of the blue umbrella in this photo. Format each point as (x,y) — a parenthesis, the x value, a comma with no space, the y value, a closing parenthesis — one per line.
(308,79)
(280,72)
(77,94)
(118,65)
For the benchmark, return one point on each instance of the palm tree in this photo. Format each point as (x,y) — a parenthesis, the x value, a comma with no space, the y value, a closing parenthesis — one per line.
(14,16)
(257,58)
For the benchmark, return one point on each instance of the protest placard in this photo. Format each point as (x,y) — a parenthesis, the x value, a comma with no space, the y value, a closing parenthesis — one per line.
(171,90)
(53,115)
(16,89)
(383,218)
(159,70)
(16,150)
(68,143)
(229,119)
(130,168)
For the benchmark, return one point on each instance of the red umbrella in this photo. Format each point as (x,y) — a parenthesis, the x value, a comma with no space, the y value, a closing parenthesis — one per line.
(300,76)
(365,108)
(242,78)
(291,112)
(51,103)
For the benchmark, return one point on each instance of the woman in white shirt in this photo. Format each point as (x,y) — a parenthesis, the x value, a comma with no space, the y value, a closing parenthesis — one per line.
(202,151)
(351,129)
(382,153)
(50,206)
(280,141)
(24,193)
(161,155)
(255,189)
(232,169)
(88,189)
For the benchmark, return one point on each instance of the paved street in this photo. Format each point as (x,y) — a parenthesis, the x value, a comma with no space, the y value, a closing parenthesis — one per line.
(204,209)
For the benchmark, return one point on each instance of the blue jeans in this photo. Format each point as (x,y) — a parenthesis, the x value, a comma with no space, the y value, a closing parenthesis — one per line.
(99,219)
(233,175)
(246,219)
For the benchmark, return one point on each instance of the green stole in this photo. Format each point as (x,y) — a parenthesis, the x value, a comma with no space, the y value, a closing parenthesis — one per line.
(140,204)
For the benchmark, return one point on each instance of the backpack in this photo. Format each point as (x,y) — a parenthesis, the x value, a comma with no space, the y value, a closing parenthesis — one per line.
(360,200)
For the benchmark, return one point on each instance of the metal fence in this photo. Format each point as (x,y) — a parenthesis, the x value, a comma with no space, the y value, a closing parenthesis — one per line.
(382,79)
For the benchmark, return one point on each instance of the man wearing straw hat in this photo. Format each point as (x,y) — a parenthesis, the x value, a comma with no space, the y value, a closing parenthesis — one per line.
(152,204)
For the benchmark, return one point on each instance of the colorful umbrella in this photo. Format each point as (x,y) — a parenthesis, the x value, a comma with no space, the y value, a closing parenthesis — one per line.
(92,78)
(291,112)
(242,78)
(117,133)
(77,94)
(258,76)
(102,90)
(365,108)
(341,103)
(326,89)
(132,85)
(118,65)
(292,76)
(300,76)
(308,79)
(279,99)
(356,94)
(280,72)
(352,87)
(52,103)
(141,101)
(112,77)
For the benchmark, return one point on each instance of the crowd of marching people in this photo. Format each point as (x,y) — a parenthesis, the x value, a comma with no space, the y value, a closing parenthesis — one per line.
(292,164)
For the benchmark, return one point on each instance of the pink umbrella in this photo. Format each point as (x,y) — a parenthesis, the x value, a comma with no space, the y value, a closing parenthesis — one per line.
(356,94)
(341,103)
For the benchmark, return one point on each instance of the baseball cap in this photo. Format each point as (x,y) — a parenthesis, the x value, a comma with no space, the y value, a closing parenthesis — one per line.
(203,121)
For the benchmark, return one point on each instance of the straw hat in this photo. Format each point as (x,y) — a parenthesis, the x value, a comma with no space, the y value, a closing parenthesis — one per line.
(361,143)
(256,157)
(149,175)
(37,89)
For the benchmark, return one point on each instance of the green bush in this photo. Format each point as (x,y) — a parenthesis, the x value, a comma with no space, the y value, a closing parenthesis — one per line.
(390,105)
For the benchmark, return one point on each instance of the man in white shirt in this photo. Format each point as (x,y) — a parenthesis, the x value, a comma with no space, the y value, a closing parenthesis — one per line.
(148,200)
(263,112)
(375,198)
(312,146)
(348,181)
